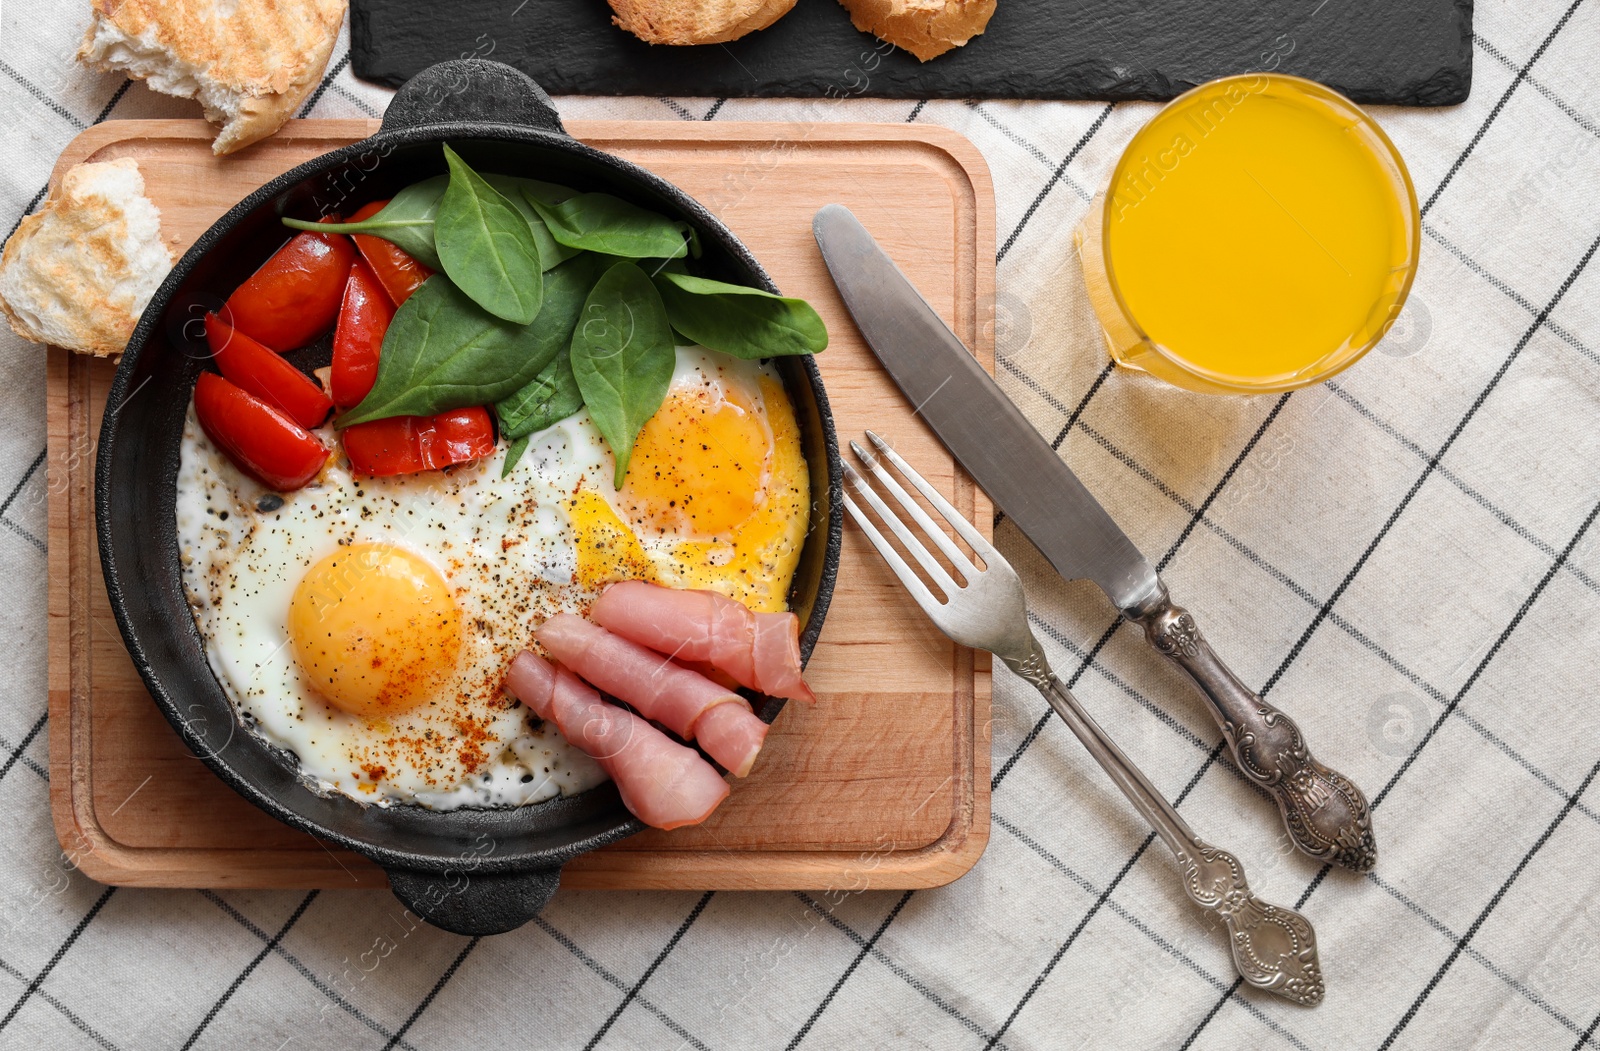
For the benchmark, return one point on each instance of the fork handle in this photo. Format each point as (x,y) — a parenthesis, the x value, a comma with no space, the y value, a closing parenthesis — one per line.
(1274,947)
(1326,814)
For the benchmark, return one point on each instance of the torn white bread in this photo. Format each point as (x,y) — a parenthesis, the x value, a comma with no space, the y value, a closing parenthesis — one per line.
(249,63)
(79,271)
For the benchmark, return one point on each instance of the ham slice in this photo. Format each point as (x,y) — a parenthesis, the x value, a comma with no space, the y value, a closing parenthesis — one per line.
(760,650)
(732,735)
(680,699)
(712,672)
(663,783)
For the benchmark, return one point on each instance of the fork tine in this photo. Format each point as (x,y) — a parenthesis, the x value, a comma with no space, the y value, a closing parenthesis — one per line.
(957,521)
(918,550)
(910,580)
(957,557)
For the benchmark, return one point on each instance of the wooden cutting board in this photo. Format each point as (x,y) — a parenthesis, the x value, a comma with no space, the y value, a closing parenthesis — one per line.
(883,784)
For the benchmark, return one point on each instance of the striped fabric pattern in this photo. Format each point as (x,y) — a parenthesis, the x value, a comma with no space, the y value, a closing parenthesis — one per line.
(1405,558)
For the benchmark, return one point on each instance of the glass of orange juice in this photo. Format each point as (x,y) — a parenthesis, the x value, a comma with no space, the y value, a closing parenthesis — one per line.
(1259,234)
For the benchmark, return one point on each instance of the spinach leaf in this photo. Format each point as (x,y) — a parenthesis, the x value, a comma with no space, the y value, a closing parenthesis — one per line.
(550,398)
(487,247)
(744,322)
(553,390)
(406,221)
(547,192)
(650,265)
(514,453)
(694,238)
(551,253)
(443,351)
(607,224)
(622,357)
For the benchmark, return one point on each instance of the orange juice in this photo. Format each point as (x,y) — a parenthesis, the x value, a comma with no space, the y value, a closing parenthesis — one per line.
(1258,234)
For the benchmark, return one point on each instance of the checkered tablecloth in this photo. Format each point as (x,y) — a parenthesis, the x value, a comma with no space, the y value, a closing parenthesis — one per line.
(1405,559)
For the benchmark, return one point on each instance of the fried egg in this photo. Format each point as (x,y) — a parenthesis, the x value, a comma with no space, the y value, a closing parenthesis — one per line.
(716,496)
(365,624)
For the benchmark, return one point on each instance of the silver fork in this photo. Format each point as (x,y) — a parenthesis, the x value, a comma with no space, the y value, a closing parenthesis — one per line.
(1274,948)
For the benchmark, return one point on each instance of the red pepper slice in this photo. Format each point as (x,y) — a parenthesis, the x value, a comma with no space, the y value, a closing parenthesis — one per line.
(407,444)
(364,317)
(260,371)
(294,297)
(261,441)
(396,270)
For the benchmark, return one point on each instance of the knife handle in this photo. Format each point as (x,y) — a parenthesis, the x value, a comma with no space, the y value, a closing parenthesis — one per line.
(1327,816)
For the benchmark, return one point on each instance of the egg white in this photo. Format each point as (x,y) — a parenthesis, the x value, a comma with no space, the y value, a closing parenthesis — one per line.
(503,545)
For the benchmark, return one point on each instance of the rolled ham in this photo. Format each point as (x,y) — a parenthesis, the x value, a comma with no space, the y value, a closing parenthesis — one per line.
(759,650)
(712,672)
(663,783)
(732,735)
(684,701)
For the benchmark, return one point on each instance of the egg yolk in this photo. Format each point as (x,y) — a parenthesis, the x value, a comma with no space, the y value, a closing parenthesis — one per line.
(700,465)
(755,565)
(375,629)
(758,525)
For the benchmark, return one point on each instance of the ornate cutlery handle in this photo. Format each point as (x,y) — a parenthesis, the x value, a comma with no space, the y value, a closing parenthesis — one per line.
(1274,947)
(1326,814)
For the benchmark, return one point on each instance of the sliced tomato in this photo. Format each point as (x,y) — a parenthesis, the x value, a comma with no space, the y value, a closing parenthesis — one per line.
(399,274)
(294,297)
(261,441)
(407,444)
(364,317)
(260,371)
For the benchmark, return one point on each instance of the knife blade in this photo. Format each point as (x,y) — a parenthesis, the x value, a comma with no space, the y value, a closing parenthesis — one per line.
(1327,816)
(973,417)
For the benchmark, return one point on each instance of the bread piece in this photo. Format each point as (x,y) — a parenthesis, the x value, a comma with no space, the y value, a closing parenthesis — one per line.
(696,21)
(926,28)
(250,63)
(79,271)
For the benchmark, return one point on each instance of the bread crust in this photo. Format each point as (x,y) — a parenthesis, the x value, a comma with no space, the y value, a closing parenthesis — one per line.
(250,68)
(260,116)
(78,272)
(926,28)
(686,22)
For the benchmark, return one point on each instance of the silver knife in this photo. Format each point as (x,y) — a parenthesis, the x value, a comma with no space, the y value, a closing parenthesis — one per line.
(1327,816)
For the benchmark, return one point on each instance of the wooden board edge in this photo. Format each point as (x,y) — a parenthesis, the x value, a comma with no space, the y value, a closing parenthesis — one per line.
(179,869)
(71,557)
(97,137)
(882,868)
(960,148)
(61,676)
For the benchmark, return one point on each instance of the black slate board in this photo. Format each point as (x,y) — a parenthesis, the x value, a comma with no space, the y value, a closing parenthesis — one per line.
(1406,52)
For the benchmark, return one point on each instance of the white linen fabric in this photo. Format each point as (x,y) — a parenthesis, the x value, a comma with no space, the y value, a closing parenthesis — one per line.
(1405,558)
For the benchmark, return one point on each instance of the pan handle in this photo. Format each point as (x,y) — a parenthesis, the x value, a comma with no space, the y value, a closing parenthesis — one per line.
(475,903)
(471,91)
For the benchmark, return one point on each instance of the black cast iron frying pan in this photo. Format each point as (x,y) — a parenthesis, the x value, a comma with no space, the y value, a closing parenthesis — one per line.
(469,871)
